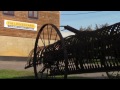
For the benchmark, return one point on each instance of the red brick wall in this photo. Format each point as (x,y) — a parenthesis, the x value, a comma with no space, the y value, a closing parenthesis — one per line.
(43,18)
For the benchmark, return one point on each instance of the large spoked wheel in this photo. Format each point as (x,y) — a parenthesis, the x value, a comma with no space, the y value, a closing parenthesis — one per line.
(47,35)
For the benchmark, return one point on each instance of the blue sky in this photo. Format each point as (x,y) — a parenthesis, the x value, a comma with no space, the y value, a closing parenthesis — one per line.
(77,19)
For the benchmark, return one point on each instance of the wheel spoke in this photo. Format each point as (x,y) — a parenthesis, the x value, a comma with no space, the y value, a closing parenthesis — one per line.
(55,37)
(50,33)
(48,36)
(42,41)
(43,38)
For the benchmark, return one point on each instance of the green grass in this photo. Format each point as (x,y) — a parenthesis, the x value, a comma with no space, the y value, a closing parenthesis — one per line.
(13,74)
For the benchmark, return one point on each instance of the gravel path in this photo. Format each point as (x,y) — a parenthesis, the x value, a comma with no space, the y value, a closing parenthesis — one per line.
(14,65)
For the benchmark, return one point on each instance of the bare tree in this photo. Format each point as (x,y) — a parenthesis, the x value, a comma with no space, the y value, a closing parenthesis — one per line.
(101,26)
(89,28)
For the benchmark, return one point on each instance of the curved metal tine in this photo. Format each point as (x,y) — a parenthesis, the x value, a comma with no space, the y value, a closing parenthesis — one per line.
(47,74)
(111,75)
(41,71)
(118,75)
(108,75)
(41,74)
(51,76)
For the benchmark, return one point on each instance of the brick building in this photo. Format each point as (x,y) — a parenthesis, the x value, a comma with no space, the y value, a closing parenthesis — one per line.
(16,41)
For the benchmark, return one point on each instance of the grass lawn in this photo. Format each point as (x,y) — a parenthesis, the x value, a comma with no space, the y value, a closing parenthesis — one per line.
(12,74)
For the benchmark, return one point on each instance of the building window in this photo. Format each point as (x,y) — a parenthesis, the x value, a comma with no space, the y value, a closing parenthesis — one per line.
(8,12)
(33,14)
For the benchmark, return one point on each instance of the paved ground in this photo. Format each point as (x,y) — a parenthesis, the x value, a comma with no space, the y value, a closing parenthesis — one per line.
(19,65)
(14,65)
